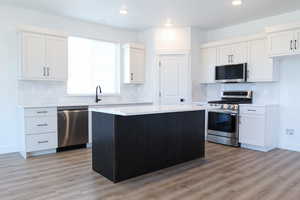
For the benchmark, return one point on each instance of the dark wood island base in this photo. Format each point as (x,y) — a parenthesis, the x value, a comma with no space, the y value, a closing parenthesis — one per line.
(129,146)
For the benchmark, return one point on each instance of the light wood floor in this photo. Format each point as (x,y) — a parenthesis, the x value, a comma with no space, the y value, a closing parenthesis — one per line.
(226,173)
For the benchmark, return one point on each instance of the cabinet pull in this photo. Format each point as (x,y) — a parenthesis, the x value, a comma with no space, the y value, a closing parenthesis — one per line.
(42,112)
(131,76)
(296,44)
(43,142)
(40,125)
(232,58)
(44,71)
(291,45)
(251,110)
(48,71)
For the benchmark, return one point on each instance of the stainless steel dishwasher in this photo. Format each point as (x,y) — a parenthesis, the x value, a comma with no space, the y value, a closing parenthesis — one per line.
(72,127)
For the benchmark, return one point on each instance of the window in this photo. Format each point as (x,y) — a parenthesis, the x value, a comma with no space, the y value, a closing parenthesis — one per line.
(93,63)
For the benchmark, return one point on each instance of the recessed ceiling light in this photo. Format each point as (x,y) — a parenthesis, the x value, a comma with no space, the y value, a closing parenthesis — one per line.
(123,11)
(237,2)
(168,23)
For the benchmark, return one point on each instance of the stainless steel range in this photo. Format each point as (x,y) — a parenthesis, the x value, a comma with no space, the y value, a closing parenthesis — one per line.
(223,118)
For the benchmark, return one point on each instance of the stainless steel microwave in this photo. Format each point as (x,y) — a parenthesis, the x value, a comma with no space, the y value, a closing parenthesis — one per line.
(231,73)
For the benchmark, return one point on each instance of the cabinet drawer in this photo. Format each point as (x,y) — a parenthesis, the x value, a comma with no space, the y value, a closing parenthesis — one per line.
(41,142)
(40,112)
(256,110)
(35,125)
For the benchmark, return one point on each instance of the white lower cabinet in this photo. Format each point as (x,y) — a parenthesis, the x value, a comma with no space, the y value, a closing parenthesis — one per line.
(258,127)
(38,130)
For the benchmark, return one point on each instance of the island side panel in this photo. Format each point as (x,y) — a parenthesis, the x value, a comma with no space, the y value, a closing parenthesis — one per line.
(103,149)
(146,143)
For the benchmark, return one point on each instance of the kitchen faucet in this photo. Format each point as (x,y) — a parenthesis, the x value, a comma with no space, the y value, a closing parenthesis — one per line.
(98,89)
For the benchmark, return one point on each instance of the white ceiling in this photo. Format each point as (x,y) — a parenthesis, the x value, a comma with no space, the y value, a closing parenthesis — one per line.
(206,14)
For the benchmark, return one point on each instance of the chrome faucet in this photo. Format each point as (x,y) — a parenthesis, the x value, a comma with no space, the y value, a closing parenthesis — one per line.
(98,92)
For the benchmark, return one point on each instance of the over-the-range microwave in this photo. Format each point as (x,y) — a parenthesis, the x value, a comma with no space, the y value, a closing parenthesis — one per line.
(236,73)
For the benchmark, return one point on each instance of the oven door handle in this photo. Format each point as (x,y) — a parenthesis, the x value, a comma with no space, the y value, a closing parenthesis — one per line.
(225,112)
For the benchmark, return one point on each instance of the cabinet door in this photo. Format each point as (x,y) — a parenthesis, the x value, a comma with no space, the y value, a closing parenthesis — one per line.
(137,66)
(260,66)
(297,42)
(252,130)
(225,55)
(207,65)
(33,57)
(239,53)
(281,44)
(57,58)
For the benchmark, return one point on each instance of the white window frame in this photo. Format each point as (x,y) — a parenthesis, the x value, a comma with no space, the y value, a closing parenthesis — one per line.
(117,71)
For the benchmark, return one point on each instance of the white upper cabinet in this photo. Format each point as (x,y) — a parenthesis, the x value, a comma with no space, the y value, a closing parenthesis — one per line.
(284,40)
(43,57)
(134,64)
(261,68)
(232,54)
(207,65)
(252,50)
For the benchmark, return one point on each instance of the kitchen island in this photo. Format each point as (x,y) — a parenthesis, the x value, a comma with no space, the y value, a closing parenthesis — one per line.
(131,141)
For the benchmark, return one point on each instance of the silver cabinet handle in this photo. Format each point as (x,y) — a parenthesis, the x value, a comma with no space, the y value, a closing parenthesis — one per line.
(43,142)
(44,71)
(40,125)
(296,44)
(232,61)
(131,76)
(291,45)
(48,71)
(251,110)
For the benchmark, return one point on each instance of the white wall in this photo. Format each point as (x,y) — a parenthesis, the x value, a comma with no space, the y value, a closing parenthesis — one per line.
(285,92)
(36,92)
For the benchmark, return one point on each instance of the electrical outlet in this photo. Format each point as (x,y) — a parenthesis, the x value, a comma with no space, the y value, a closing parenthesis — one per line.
(290,131)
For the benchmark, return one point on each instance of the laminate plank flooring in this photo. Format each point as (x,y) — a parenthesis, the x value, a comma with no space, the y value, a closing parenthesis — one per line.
(226,173)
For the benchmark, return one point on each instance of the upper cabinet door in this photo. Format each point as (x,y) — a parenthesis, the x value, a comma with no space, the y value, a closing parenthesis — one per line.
(281,44)
(56,58)
(260,66)
(239,53)
(225,55)
(134,64)
(33,57)
(137,69)
(207,65)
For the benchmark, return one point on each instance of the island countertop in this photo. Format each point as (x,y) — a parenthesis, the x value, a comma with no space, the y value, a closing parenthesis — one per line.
(148,109)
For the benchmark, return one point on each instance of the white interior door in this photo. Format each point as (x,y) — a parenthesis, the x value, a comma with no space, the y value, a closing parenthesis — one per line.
(174,79)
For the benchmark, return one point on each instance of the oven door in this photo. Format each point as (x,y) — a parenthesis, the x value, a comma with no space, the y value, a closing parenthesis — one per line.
(224,124)
(231,73)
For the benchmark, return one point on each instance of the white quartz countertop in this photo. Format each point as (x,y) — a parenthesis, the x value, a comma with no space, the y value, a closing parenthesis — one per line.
(112,103)
(148,109)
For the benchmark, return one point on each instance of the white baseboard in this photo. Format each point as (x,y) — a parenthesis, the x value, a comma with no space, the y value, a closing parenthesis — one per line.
(257,148)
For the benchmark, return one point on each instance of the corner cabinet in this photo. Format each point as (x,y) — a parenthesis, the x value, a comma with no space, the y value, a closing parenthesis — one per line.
(134,63)
(258,127)
(43,57)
